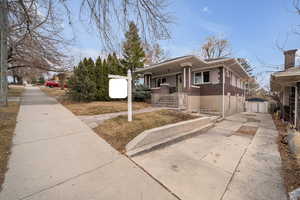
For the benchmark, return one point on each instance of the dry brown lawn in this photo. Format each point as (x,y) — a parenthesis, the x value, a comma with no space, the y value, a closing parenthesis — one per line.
(102,107)
(290,168)
(15,90)
(91,108)
(8,117)
(118,131)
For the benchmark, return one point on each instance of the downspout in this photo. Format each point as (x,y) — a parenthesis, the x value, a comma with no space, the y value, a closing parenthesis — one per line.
(296,106)
(223,96)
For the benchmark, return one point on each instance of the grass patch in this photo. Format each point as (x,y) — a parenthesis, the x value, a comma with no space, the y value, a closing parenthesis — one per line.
(118,131)
(102,107)
(8,116)
(91,108)
(15,90)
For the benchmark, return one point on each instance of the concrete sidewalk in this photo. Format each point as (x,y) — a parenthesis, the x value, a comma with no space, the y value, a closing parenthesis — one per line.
(55,156)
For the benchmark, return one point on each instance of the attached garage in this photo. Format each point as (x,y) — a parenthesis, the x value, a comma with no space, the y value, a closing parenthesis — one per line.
(257,105)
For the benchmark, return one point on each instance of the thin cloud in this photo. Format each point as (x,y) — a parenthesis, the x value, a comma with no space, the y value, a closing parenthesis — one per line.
(206,10)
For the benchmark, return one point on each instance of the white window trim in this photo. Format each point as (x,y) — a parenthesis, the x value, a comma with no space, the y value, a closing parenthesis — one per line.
(202,83)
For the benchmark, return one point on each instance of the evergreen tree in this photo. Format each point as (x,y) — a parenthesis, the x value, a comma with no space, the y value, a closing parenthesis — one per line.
(133,52)
(105,80)
(120,70)
(98,78)
(90,65)
(81,86)
(114,66)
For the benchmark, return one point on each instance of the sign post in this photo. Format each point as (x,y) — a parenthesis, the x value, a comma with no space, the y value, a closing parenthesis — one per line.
(119,90)
(129,97)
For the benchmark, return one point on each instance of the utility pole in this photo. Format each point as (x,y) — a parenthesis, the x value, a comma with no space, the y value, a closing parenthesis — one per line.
(3,52)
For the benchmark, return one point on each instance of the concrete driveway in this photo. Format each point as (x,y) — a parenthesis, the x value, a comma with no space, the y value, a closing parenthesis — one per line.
(222,163)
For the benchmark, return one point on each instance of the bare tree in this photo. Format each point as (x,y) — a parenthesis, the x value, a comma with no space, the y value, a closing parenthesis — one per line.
(35,36)
(154,54)
(34,31)
(111,16)
(215,47)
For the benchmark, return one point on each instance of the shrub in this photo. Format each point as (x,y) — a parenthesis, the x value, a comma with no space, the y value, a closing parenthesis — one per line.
(81,86)
(89,81)
(41,80)
(141,93)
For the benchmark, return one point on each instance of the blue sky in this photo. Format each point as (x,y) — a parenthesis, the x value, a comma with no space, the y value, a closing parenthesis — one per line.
(252,27)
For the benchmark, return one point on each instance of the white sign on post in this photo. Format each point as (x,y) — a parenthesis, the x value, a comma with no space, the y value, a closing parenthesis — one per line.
(117,88)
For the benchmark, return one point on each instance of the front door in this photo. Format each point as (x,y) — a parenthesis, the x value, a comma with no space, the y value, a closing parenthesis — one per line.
(179,82)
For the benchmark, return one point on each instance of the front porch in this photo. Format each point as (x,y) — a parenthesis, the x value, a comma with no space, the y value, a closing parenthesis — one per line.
(287,84)
(168,96)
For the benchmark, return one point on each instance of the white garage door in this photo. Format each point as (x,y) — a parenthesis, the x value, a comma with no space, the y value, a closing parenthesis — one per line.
(258,107)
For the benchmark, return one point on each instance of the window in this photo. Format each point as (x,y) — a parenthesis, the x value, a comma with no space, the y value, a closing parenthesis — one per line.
(202,77)
(198,78)
(206,77)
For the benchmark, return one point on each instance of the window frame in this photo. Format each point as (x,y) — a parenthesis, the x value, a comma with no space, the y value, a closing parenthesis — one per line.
(202,78)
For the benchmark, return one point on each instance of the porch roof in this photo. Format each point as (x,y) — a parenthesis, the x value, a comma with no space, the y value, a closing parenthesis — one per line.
(195,62)
(288,77)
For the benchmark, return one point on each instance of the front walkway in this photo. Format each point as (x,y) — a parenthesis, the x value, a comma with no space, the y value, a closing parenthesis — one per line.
(222,164)
(55,156)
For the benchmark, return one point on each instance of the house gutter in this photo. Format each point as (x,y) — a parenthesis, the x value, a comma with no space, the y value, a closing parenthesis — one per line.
(223,96)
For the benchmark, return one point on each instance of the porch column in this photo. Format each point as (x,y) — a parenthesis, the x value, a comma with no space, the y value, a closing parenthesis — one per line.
(147,80)
(187,76)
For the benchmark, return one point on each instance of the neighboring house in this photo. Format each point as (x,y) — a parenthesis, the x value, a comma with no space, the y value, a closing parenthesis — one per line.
(287,84)
(191,83)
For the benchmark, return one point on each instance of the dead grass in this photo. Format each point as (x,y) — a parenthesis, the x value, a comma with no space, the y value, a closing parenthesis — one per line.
(102,107)
(118,131)
(290,167)
(8,117)
(91,108)
(15,90)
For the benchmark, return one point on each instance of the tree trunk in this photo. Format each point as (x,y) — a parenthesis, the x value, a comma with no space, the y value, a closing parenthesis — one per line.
(3,53)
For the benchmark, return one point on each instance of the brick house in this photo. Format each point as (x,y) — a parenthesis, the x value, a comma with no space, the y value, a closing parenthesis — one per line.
(287,84)
(214,86)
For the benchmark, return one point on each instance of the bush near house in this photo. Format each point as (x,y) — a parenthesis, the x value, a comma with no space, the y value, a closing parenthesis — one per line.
(142,93)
